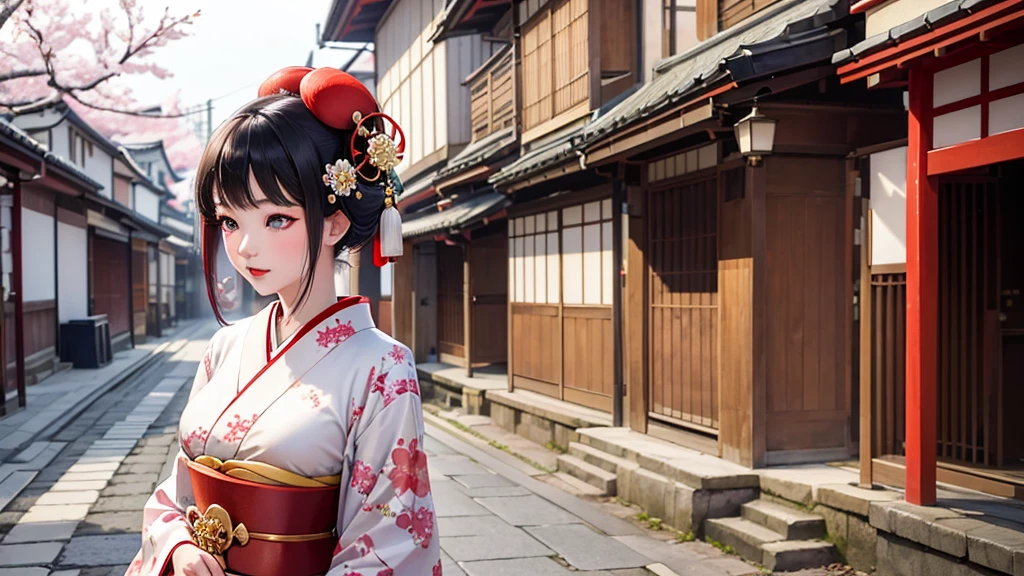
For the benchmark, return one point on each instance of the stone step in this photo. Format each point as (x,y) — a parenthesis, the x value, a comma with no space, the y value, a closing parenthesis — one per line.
(745,537)
(792,524)
(599,478)
(695,469)
(595,457)
(792,555)
(575,486)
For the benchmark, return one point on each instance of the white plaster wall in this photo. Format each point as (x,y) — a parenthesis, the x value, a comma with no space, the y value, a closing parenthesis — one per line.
(37,249)
(59,140)
(147,203)
(72,266)
(889,206)
(100,167)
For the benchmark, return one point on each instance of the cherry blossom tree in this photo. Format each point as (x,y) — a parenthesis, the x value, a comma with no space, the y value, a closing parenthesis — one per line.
(68,50)
(58,49)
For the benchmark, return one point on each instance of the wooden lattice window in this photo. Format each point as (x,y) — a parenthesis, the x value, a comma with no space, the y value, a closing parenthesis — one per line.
(556,61)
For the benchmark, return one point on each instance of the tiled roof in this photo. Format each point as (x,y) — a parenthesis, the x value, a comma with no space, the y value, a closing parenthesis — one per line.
(555,152)
(478,152)
(458,216)
(685,74)
(36,148)
(944,14)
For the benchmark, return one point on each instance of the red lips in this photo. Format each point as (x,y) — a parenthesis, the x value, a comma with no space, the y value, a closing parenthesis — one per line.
(257,272)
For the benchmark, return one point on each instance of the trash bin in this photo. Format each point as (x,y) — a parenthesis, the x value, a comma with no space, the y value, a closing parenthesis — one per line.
(85,342)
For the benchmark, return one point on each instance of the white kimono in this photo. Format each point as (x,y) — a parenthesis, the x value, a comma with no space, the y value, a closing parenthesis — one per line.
(340,397)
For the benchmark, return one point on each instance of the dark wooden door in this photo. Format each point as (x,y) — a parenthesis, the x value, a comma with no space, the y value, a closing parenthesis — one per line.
(451,327)
(1010,445)
(488,264)
(110,283)
(683,304)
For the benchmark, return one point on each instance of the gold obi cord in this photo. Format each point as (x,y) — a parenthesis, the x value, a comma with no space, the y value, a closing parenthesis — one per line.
(213,531)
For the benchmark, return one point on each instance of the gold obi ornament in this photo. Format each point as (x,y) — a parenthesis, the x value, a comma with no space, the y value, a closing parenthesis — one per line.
(213,532)
(265,497)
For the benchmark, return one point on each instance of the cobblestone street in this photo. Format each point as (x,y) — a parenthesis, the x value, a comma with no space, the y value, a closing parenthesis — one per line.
(81,513)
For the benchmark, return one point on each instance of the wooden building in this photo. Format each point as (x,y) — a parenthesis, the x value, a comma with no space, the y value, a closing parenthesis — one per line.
(738,274)
(40,272)
(576,58)
(93,249)
(942,358)
(423,57)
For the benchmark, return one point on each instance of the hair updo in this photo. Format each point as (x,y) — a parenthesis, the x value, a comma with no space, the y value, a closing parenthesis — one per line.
(285,147)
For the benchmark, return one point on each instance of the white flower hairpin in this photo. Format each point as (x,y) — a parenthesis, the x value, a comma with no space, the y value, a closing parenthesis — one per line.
(341,178)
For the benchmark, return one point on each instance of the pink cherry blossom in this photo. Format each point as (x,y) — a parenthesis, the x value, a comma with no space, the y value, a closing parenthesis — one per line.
(420,524)
(410,471)
(363,478)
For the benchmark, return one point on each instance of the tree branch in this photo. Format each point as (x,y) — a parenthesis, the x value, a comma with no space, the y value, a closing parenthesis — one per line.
(125,112)
(9,7)
(5,76)
(163,28)
(34,106)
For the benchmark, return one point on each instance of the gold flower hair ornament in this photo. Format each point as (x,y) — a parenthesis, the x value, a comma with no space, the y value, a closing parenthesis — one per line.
(341,178)
(384,146)
(375,158)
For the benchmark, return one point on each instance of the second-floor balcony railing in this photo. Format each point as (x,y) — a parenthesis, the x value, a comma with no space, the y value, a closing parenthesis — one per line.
(492,90)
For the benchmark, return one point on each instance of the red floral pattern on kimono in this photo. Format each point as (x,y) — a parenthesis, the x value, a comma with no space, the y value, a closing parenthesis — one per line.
(338,398)
(195,440)
(334,335)
(410,471)
(307,393)
(239,427)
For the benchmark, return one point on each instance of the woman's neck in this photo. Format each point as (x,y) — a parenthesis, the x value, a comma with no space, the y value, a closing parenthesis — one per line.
(321,295)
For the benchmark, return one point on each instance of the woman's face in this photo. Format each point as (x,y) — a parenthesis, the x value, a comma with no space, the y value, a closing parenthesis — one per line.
(267,244)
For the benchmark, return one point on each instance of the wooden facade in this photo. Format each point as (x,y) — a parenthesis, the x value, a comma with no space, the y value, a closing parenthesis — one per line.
(576,55)
(110,284)
(420,82)
(560,274)
(492,95)
(140,288)
(962,335)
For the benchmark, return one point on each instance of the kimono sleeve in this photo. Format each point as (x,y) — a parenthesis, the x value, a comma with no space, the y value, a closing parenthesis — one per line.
(163,521)
(386,517)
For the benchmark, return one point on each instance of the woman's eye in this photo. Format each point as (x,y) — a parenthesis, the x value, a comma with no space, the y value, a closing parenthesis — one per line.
(279,222)
(228,225)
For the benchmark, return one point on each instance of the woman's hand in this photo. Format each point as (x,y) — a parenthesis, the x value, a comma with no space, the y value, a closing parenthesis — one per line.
(191,561)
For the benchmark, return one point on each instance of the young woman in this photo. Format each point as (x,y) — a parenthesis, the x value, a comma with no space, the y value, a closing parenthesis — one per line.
(301,447)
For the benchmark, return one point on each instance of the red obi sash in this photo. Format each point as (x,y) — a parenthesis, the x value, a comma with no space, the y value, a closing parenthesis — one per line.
(256,529)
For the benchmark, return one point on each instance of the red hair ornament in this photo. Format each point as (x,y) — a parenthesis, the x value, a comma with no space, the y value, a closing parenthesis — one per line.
(340,101)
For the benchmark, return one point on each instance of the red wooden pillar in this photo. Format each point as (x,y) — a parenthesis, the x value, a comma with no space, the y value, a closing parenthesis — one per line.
(922,294)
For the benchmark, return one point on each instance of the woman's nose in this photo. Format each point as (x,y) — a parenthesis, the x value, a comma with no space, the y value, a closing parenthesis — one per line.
(246,248)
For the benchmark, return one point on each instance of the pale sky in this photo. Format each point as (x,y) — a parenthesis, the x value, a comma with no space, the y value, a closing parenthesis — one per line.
(234,46)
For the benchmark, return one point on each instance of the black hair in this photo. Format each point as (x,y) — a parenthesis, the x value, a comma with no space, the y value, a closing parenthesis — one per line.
(286,148)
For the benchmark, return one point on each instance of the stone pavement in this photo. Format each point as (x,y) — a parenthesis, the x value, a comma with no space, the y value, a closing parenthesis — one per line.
(54,401)
(78,514)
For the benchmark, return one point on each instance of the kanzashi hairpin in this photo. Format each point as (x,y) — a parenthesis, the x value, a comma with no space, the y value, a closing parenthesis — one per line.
(341,178)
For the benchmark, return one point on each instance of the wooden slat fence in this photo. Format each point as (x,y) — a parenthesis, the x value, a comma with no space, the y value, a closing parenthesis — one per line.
(888,364)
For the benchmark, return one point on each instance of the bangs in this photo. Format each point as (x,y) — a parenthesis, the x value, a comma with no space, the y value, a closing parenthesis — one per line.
(246,146)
